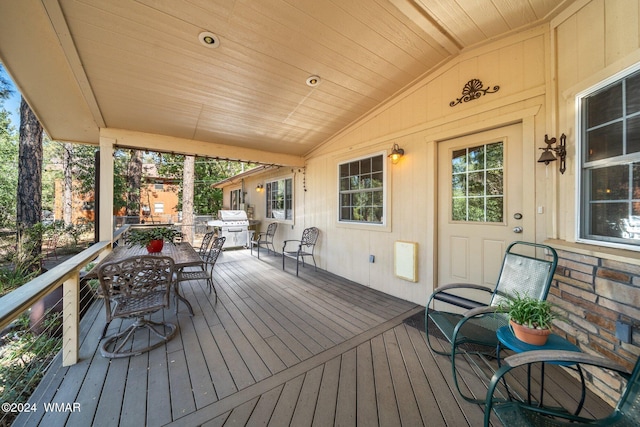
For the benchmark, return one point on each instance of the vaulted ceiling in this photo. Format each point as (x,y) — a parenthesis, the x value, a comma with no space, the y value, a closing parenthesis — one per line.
(140,65)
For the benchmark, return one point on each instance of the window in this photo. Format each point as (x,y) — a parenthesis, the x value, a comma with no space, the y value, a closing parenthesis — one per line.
(477,177)
(158,207)
(361,190)
(236,199)
(280,199)
(609,123)
(158,186)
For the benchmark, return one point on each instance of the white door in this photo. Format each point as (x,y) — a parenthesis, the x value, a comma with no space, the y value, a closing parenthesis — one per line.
(481,189)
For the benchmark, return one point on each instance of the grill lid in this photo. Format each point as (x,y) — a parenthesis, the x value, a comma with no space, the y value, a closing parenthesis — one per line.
(228,215)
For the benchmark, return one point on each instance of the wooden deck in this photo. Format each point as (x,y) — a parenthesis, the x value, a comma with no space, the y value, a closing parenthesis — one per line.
(275,350)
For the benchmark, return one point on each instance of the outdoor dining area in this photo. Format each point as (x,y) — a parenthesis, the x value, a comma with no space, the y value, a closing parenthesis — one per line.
(230,339)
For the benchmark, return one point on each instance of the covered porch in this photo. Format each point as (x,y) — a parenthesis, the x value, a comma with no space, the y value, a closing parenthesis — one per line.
(275,349)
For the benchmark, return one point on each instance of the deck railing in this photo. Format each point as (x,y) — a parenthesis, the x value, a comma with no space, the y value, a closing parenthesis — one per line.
(67,274)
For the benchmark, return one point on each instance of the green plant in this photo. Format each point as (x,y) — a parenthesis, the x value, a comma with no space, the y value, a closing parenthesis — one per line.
(529,311)
(143,236)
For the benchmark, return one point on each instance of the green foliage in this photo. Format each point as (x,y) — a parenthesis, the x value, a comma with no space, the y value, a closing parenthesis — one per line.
(143,236)
(24,359)
(8,169)
(529,311)
(206,200)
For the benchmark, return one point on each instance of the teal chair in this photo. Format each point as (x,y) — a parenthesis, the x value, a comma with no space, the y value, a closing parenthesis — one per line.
(471,328)
(515,413)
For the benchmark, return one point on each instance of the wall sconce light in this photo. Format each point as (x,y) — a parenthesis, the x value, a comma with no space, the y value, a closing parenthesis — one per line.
(259,188)
(547,155)
(396,153)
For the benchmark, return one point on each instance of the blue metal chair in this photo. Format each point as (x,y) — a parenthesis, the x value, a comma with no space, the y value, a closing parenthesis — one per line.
(515,413)
(472,328)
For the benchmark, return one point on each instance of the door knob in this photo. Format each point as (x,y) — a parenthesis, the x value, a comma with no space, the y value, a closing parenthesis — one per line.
(517,229)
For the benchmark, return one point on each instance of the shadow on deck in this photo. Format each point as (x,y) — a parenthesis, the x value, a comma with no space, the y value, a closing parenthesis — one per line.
(275,350)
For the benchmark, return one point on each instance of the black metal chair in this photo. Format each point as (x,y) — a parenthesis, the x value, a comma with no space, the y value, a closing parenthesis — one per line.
(516,413)
(206,242)
(306,246)
(472,328)
(264,239)
(206,271)
(135,288)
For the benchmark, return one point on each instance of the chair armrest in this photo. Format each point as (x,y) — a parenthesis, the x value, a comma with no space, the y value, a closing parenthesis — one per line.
(538,356)
(481,310)
(284,243)
(451,286)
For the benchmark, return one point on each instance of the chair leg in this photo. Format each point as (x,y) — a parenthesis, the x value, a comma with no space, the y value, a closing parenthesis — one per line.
(212,287)
(177,297)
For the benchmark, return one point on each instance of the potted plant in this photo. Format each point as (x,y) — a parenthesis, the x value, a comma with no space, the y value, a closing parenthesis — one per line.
(530,318)
(151,238)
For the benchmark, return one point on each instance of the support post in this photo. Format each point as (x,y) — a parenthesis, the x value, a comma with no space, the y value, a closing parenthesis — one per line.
(70,319)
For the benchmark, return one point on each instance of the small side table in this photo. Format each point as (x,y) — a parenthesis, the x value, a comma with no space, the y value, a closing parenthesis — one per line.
(507,339)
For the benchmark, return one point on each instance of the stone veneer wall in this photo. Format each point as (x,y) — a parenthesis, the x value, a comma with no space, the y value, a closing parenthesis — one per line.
(591,294)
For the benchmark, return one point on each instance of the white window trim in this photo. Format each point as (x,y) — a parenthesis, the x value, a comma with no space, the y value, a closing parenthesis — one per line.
(293,199)
(386,210)
(579,159)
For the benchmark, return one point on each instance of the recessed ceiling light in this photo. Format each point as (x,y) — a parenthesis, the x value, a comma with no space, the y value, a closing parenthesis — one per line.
(313,81)
(209,40)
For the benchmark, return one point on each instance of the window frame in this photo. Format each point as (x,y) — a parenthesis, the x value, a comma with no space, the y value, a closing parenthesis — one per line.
(583,232)
(268,213)
(385,223)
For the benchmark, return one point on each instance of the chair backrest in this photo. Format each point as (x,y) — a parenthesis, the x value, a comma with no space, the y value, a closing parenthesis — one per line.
(211,257)
(206,241)
(309,236)
(271,230)
(525,275)
(135,277)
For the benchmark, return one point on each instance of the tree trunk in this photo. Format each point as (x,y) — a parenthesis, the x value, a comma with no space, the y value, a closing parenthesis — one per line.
(188,177)
(29,203)
(134,177)
(67,196)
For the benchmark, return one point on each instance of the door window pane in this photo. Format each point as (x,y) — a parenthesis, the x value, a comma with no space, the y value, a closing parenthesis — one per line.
(477,183)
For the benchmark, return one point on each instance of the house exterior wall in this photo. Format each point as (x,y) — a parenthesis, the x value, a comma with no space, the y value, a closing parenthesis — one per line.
(417,120)
(539,72)
(595,286)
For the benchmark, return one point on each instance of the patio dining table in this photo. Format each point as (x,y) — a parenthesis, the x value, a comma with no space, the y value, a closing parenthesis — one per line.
(183,255)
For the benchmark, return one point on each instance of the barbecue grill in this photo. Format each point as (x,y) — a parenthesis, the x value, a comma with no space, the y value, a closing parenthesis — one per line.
(233,225)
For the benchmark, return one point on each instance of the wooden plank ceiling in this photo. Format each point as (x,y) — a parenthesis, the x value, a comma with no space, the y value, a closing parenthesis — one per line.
(140,66)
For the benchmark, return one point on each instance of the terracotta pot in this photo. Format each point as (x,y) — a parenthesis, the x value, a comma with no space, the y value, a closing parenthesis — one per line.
(155,246)
(530,335)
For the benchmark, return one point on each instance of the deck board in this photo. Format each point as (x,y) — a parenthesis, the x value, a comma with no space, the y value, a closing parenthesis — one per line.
(274,349)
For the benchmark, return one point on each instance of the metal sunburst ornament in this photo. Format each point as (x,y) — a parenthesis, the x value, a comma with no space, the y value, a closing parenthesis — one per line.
(473,90)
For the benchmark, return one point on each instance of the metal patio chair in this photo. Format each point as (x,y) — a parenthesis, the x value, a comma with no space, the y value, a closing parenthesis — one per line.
(516,413)
(306,246)
(206,272)
(135,288)
(471,327)
(265,239)
(206,242)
